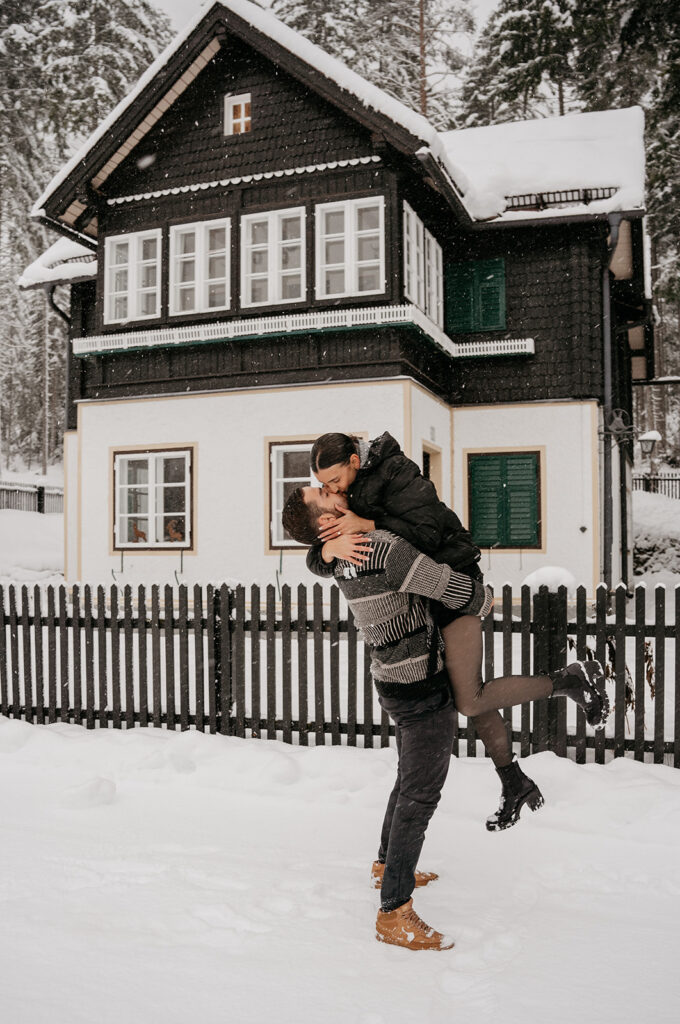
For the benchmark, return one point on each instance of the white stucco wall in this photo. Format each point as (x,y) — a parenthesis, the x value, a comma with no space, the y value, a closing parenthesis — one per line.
(229,431)
(430,427)
(566,434)
(70,505)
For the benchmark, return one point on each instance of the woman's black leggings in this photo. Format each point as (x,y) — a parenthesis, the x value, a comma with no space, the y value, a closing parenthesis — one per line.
(479,700)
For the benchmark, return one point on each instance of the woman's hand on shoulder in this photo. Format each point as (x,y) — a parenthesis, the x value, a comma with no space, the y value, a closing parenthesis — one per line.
(349,547)
(347,523)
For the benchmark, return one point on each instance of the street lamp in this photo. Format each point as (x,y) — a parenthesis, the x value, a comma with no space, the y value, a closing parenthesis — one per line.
(648,441)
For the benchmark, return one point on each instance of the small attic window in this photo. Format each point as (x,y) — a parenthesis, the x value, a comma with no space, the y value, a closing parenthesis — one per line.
(237,114)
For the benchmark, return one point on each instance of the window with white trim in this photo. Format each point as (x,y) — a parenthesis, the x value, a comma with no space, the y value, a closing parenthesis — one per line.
(153,499)
(237,114)
(199,267)
(132,289)
(289,469)
(350,248)
(273,257)
(423,267)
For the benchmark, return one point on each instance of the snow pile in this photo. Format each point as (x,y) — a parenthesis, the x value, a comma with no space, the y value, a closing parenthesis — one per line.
(210,879)
(656,521)
(31,546)
(65,261)
(551,576)
(600,149)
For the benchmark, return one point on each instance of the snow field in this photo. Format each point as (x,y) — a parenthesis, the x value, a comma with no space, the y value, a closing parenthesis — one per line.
(146,875)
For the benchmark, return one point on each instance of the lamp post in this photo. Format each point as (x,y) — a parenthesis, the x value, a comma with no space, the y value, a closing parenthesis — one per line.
(648,442)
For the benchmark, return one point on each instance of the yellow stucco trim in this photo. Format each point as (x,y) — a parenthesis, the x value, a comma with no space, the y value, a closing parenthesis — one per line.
(141,447)
(543,481)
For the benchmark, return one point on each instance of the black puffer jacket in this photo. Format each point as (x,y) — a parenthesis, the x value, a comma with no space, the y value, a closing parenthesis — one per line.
(391,490)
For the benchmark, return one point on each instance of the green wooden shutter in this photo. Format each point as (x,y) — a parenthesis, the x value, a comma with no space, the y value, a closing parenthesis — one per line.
(486,499)
(475,296)
(460,297)
(503,493)
(490,294)
(521,500)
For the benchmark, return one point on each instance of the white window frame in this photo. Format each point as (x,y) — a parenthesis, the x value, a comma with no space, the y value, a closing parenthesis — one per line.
(350,236)
(434,280)
(202,282)
(276,272)
(134,267)
(423,267)
(414,257)
(154,483)
(276,450)
(245,122)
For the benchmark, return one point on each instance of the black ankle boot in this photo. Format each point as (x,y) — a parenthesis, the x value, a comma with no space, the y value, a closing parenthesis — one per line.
(584,682)
(518,790)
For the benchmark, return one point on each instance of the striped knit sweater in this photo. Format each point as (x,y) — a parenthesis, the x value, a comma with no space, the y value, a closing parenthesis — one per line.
(388,597)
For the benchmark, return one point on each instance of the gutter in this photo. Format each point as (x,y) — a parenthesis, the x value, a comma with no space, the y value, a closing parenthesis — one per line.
(64,229)
(614,220)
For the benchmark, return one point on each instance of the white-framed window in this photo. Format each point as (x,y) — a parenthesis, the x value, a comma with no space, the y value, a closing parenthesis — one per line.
(237,114)
(273,257)
(350,248)
(132,289)
(289,469)
(199,267)
(414,257)
(434,278)
(152,495)
(423,267)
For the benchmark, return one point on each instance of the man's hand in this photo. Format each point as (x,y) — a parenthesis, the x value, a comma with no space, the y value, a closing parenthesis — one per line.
(351,547)
(348,523)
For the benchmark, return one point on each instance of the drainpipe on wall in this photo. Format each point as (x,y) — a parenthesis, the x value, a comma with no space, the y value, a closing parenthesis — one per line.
(608,502)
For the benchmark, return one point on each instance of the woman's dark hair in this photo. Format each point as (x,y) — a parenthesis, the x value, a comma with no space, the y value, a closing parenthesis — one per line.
(332,450)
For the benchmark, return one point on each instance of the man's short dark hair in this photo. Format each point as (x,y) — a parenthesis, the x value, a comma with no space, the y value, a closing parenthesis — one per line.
(301,519)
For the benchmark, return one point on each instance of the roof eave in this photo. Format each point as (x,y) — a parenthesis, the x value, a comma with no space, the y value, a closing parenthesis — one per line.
(444,184)
(578,218)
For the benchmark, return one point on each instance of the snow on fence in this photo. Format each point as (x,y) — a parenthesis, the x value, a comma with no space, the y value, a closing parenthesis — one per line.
(662,483)
(31,498)
(243,663)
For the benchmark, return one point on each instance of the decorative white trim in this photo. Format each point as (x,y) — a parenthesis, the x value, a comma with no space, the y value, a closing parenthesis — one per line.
(319,320)
(243,179)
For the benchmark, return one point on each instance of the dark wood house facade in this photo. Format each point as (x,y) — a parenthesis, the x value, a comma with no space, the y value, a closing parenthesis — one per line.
(281,250)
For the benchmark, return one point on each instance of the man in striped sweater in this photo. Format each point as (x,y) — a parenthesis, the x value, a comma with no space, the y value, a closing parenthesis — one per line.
(387,584)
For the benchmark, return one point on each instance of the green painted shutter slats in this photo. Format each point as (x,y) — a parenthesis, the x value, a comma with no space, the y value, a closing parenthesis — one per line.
(475,296)
(504,500)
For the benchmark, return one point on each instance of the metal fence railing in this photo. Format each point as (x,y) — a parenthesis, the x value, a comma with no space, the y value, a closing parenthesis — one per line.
(31,498)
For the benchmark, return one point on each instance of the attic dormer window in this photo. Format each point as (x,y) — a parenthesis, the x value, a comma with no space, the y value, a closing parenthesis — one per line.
(237,118)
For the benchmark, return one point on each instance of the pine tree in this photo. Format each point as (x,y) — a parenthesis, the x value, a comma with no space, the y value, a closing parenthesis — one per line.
(380,40)
(63,65)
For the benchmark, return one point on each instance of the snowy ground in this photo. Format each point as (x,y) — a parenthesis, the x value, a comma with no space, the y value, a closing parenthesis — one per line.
(150,876)
(31,547)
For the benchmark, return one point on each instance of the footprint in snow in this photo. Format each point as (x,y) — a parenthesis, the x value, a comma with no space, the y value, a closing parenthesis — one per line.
(94,793)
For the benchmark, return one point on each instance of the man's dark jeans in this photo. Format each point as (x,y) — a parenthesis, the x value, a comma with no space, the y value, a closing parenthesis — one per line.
(424,729)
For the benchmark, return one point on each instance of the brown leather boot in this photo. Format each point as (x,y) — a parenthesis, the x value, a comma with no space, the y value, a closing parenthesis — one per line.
(378,870)
(403,927)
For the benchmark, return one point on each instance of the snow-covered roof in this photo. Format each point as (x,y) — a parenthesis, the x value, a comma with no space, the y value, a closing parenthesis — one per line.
(482,166)
(602,150)
(265,22)
(63,263)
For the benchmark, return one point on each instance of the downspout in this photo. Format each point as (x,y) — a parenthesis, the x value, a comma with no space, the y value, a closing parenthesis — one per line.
(60,312)
(614,221)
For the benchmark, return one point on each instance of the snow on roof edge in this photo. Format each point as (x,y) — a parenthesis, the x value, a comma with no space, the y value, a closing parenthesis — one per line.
(63,261)
(368,94)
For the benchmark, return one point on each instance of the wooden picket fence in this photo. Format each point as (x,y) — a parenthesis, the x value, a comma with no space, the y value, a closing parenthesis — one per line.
(245,663)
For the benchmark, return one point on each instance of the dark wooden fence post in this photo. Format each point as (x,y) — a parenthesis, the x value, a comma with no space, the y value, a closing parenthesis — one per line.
(541,627)
(557,659)
(40,499)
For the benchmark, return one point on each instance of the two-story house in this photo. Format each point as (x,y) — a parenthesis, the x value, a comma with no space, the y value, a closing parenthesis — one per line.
(262,246)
